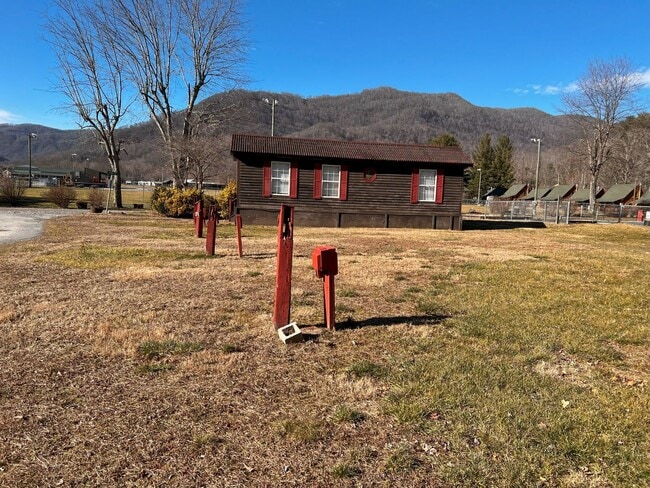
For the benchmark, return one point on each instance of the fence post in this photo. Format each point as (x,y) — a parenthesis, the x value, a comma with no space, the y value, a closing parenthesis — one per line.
(568,211)
(620,212)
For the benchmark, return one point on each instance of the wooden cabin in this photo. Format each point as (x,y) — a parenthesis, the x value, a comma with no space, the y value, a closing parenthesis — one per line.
(516,192)
(349,184)
(559,192)
(622,194)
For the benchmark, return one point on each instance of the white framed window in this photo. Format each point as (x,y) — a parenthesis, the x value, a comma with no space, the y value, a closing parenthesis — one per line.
(427,185)
(280,172)
(331,184)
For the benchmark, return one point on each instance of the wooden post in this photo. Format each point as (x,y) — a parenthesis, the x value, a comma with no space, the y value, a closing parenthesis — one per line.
(239,225)
(324,260)
(329,297)
(210,241)
(198,219)
(282,303)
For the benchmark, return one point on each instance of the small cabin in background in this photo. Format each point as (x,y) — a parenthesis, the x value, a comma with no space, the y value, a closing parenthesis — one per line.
(349,184)
(516,192)
(582,196)
(622,194)
(559,192)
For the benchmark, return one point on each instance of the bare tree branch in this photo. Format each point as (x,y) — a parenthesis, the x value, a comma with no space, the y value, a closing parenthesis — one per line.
(90,76)
(605,96)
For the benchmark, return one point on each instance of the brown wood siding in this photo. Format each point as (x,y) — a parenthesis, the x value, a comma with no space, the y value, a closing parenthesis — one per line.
(388,195)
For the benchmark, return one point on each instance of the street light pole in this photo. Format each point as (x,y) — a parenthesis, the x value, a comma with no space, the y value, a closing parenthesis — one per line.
(73,157)
(478,197)
(30,136)
(539,148)
(273,102)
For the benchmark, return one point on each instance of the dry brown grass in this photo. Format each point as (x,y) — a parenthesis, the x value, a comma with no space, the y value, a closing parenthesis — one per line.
(391,399)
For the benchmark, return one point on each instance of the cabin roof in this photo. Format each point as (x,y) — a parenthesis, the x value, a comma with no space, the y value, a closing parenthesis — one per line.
(559,192)
(617,193)
(348,150)
(540,193)
(582,196)
(515,190)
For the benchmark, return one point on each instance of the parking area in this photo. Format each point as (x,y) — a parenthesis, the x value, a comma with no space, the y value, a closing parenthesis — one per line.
(19,224)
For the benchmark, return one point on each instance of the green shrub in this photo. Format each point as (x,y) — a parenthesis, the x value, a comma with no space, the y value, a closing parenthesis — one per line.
(224,197)
(61,196)
(174,202)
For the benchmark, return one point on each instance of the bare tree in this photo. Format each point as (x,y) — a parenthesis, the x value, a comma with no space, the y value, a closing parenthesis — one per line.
(174,47)
(605,95)
(632,151)
(91,76)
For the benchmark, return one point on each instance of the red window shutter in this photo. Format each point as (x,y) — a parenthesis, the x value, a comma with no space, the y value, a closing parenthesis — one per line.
(440,185)
(293,181)
(343,188)
(318,181)
(266,179)
(415,185)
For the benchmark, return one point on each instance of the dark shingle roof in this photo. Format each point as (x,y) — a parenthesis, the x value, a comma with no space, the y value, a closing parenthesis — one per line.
(617,193)
(582,196)
(540,193)
(365,151)
(515,190)
(559,192)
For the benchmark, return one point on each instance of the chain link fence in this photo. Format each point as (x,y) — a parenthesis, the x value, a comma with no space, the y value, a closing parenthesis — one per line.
(561,212)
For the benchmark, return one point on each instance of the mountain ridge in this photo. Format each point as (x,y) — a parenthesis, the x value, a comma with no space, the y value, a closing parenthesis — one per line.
(381,114)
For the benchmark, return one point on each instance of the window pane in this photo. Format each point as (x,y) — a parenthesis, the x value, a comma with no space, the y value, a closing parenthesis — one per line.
(427,188)
(280,178)
(331,179)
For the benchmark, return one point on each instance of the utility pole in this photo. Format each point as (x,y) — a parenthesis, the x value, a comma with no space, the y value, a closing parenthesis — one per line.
(273,102)
(30,136)
(538,141)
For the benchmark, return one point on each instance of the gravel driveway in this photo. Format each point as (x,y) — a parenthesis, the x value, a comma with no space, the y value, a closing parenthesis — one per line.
(19,224)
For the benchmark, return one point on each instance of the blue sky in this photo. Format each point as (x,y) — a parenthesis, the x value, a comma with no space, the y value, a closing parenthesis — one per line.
(493,53)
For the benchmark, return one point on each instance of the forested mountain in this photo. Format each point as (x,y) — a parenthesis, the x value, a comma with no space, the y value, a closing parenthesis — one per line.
(381,114)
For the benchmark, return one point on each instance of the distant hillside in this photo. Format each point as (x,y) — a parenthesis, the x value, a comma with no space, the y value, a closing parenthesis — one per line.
(381,114)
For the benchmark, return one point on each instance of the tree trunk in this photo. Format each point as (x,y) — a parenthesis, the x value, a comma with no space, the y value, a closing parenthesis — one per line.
(593,189)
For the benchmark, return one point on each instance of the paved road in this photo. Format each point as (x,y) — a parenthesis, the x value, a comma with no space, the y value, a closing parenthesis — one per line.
(19,224)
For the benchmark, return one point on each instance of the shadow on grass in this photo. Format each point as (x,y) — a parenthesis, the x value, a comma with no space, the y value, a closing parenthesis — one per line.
(502,224)
(350,323)
(265,255)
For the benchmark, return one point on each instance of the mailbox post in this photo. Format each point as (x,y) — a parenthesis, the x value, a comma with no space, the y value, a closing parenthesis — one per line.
(325,262)
(239,225)
(210,240)
(282,303)
(198,218)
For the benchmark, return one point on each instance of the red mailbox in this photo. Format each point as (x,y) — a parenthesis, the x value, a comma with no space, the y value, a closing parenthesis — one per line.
(325,261)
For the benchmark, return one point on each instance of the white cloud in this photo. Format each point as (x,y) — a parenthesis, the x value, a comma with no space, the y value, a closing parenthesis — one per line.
(645,77)
(546,90)
(561,88)
(7,117)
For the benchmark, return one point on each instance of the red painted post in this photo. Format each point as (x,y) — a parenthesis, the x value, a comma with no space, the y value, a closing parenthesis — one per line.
(282,303)
(198,219)
(330,301)
(210,241)
(325,262)
(239,225)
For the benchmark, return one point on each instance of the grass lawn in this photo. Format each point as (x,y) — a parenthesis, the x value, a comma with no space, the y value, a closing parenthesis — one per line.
(477,358)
